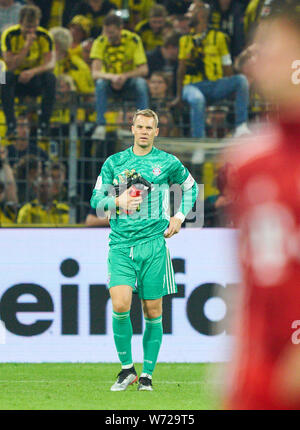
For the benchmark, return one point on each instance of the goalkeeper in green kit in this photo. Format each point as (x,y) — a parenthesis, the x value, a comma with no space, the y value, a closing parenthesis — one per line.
(133,189)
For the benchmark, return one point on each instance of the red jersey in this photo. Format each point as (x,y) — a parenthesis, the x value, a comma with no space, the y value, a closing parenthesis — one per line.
(267,213)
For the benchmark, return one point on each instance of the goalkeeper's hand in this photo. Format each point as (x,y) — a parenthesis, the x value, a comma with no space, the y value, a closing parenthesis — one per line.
(174,227)
(127,202)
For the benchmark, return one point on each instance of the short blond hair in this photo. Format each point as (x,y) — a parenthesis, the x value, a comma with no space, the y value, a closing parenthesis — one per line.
(62,37)
(148,113)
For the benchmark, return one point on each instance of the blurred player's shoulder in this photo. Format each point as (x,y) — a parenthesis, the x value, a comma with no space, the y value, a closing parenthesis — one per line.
(262,143)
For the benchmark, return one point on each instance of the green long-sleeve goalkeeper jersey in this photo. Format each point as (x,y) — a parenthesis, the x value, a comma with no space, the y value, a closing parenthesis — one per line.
(162,170)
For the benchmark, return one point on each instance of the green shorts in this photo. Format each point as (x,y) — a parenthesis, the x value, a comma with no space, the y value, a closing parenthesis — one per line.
(146,267)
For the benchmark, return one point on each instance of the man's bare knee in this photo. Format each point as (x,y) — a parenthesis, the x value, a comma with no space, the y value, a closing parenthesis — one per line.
(121,298)
(152,308)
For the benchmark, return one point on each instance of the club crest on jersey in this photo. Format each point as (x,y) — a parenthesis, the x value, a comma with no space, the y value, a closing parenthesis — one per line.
(156,170)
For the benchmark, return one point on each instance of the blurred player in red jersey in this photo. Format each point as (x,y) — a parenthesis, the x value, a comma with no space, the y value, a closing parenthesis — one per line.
(266,361)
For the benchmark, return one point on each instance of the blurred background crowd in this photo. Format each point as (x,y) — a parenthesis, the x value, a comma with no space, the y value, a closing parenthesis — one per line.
(73,72)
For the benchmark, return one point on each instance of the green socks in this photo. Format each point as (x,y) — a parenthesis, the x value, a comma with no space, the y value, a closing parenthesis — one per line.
(152,338)
(122,330)
(151,343)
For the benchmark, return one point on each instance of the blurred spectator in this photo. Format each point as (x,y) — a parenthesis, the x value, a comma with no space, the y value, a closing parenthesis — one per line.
(139,10)
(64,87)
(177,7)
(86,47)
(80,28)
(125,121)
(217,207)
(9,13)
(260,9)
(69,64)
(28,52)
(58,175)
(216,121)
(92,220)
(203,61)
(95,11)
(55,12)
(150,30)
(181,24)
(227,15)
(158,86)
(167,126)
(119,67)
(252,16)
(27,171)
(8,191)
(44,209)
(61,117)
(167,30)
(22,144)
(164,59)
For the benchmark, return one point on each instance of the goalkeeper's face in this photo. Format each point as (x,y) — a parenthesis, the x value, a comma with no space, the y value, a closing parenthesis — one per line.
(144,131)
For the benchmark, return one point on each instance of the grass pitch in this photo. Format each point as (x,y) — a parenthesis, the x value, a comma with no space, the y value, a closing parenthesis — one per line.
(61,386)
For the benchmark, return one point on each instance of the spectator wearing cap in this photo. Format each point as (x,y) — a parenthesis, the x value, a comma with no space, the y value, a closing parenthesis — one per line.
(95,11)
(151,30)
(8,191)
(80,28)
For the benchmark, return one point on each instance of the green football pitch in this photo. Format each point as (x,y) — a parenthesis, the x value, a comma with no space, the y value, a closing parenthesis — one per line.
(87,386)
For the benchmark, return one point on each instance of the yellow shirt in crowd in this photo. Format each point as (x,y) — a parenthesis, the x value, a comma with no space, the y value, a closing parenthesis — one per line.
(121,58)
(7,215)
(79,71)
(35,213)
(203,56)
(56,13)
(150,40)
(13,41)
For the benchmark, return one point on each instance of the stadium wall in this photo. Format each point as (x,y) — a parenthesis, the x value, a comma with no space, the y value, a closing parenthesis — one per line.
(55,306)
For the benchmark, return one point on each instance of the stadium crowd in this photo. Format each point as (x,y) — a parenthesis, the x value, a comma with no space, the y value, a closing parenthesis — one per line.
(89,64)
